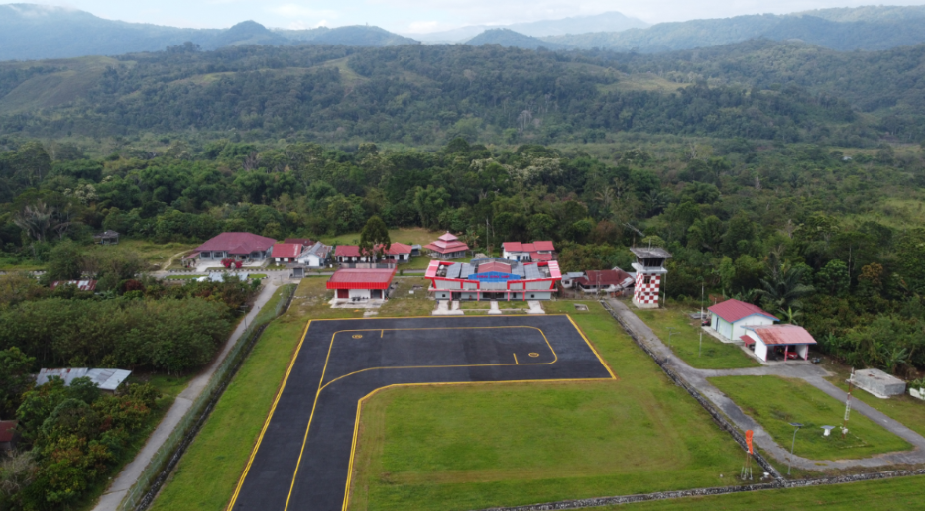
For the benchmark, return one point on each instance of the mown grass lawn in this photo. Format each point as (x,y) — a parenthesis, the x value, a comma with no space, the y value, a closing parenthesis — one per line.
(774,402)
(685,341)
(884,495)
(476,446)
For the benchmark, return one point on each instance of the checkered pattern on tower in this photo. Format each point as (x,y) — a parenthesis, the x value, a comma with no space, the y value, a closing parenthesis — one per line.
(647,293)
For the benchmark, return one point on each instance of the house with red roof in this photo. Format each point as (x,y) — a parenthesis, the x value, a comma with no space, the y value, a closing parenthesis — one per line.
(536,251)
(730,318)
(784,342)
(361,284)
(447,247)
(349,254)
(240,245)
(287,252)
(396,253)
(614,281)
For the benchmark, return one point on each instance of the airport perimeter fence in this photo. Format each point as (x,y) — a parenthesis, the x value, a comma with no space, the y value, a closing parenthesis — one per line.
(142,493)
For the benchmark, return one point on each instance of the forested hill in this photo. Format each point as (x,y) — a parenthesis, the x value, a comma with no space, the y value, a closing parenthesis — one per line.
(782,92)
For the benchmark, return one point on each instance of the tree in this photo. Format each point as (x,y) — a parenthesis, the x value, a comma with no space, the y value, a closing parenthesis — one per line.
(65,262)
(374,239)
(783,290)
(833,278)
(38,220)
(15,379)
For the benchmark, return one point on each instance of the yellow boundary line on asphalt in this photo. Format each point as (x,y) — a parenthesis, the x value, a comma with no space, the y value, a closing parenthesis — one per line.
(356,425)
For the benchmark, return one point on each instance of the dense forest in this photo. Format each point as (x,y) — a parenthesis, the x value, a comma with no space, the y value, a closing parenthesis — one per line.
(429,95)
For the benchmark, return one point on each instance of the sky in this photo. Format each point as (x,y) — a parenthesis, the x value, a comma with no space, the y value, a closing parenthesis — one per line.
(422,16)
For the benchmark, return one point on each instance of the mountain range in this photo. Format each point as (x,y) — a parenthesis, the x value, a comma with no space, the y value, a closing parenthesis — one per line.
(30,32)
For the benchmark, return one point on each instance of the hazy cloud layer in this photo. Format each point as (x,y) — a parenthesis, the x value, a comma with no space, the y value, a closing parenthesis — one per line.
(421,16)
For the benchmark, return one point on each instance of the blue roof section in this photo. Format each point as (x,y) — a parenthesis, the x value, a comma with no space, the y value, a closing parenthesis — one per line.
(494,275)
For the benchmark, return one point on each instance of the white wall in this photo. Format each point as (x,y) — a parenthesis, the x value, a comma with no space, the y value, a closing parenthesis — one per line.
(359,293)
(802,351)
(738,328)
(761,351)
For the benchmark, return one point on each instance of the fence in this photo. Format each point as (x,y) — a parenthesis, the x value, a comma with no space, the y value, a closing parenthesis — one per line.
(152,478)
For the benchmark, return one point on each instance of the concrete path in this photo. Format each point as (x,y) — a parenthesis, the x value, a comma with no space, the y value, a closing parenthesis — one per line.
(130,473)
(812,374)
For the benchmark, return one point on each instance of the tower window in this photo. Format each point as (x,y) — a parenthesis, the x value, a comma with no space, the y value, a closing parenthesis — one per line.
(646,279)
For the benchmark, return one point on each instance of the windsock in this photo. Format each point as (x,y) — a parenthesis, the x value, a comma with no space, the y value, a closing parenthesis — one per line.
(748,440)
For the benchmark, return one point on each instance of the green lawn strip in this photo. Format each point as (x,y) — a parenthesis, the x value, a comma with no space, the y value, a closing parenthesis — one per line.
(403,303)
(477,446)
(686,339)
(183,277)
(906,409)
(475,305)
(257,275)
(774,401)
(885,494)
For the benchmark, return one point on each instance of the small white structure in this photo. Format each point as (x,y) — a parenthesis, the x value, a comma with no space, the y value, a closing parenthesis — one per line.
(568,279)
(879,383)
(730,318)
(787,342)
(104,378)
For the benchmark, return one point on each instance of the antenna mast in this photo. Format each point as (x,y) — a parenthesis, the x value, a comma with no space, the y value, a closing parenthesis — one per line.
(844,426)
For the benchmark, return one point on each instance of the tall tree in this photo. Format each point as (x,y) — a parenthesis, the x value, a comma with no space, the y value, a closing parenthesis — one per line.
(374,239)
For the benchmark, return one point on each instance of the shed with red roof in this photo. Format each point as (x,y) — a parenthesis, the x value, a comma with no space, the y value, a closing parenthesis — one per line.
(732,316)
(359,284)
(287,252)
(779,341)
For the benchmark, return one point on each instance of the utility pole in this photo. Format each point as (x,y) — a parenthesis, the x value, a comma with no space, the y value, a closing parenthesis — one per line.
(844,424)
(700,348)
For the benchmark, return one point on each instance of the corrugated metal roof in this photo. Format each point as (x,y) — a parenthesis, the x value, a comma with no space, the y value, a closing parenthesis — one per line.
(432,268)
(467,269)
(748,340)
(734,310)
(347,251)
(494,266)
(452,271)
(532,272)
(83,285)
(361,278)
(104,378)
(783,334)
(237,243)
(615,277)
(287,250)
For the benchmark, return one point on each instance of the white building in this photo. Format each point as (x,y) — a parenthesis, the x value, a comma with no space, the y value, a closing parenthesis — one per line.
(730,318)
(315,256)
(536,251)
(779,342)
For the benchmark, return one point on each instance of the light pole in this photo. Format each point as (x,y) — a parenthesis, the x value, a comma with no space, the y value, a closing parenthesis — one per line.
(796,425)
(670,333)
(245,315)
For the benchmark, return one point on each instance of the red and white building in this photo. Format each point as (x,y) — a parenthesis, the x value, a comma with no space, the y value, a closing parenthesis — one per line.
(650,273)
(447,247)
(397,252)
(536,251)
(287,252)
(361,284)
(730,319)
(493,279)
(784,342)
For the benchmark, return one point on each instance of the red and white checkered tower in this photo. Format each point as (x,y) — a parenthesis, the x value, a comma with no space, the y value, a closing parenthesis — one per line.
(650,272)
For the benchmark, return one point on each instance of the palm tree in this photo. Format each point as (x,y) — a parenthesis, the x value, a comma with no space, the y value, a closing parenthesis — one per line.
(784,290)
(605,197)
(790,316)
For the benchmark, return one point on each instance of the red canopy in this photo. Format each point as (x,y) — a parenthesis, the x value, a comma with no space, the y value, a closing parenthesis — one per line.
(361,278)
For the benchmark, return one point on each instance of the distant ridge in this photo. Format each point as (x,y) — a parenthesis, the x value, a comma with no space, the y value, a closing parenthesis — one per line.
(606,22)
(866,28)
(31,32)
(507,37)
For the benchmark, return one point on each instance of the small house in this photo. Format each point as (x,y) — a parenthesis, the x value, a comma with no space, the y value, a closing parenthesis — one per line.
(397,252)
(315,256)
(106,238)
(605,281)
(361,284)
(8,435)
(568,279)
(536,251)
(348,254)
(779,342)
(286,252)
(732,316)
(415,250)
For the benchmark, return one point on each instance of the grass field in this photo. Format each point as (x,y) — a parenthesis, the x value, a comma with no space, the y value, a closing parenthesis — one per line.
(774,402)
(403,303)
(476,446)
(686,338)
(885,495)
(905,408)
(416,236)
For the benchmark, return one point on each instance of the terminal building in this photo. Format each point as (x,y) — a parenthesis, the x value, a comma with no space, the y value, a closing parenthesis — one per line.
(493,279)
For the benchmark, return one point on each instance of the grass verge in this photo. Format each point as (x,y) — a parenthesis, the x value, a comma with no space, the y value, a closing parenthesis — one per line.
(476,446)
(774,402)
(882,495)
(685,341)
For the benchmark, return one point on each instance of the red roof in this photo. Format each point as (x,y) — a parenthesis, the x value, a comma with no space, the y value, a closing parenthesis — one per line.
(237,243)
(347,251)
(447,237)
(536,246)
(748,340)
(361,278)
(7,430)
(734,310)
(536,256)
(287,250)
(447,244)
(397,249)
(83,285)
(494,266)
(607,277)
(305,242)
(783,334)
